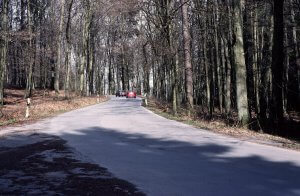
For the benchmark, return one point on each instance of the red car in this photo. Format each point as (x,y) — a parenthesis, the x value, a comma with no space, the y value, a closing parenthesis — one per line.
(131,94)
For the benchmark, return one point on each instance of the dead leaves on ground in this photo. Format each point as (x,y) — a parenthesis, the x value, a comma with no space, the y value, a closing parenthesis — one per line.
(220,126)
(44,104)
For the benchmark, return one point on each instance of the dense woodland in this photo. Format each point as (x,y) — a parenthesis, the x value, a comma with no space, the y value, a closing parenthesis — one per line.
(213,57)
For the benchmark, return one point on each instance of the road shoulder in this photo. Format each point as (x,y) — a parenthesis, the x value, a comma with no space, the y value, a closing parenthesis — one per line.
(233,132)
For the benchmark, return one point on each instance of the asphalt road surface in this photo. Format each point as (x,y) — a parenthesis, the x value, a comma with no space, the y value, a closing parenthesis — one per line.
(164,157)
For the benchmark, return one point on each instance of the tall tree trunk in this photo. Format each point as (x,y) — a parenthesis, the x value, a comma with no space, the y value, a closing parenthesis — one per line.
(217,56)
(3,47)
(59,50)
(228,54)
(228,79)
(85,53)
(296,50)
(123,68)
(187,54)
(68,51)
(266,77)
(29,83)
(241,80)
(277,64)
(175,85)
(110,74)
(286,72)
(147,68)
(207,72)
(91,64)
(256,70)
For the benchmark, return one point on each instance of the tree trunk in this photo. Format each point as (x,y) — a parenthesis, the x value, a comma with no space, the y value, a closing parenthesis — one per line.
(277,64)
(296,50)
(228,55)
(3,47)
(91,64)
(256,70)
(286,72)
(175,85)
(59,50)
(240,65)
(29,83)
(207,73)
(265,92)
(68,51)
(228,79)
(187,55)
(123,69)
(85,49)
(218,64)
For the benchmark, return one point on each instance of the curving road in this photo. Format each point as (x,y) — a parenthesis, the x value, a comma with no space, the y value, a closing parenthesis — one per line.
(164,157)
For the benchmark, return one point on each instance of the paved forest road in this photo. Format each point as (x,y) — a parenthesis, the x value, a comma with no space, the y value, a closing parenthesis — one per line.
(164,157)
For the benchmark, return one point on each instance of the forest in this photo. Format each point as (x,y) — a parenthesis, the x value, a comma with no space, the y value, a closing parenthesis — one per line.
(238,60)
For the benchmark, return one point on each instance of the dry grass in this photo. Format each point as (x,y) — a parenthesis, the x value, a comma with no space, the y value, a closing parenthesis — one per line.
(220,126)
(43,104)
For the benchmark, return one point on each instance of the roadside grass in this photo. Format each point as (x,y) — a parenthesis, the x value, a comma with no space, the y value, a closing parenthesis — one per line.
(221,126)
(43,105)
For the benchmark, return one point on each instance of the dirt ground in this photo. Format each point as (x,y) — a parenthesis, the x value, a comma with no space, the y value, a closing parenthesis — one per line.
(46,166)
(43,104)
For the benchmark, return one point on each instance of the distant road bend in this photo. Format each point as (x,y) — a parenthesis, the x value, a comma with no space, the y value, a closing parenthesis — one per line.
(164,157)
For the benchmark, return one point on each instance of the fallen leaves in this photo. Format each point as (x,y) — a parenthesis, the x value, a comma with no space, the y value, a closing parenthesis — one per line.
(43,105)
(219,126)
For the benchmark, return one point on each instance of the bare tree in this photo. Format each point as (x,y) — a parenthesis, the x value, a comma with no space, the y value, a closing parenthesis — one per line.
(3,46)
(59,49)
(187,54)
(240,65)
(277,63)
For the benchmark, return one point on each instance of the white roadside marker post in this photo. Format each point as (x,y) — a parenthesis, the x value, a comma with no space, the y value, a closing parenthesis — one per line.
(27,108)
(146,99)
(98,98)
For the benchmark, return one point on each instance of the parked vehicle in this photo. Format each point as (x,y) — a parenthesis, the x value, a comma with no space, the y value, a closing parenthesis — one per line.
(131,94)
(120,93)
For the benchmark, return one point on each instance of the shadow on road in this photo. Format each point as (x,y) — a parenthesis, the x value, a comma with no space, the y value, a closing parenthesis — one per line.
(47,166)
(198,168)
(159,164)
